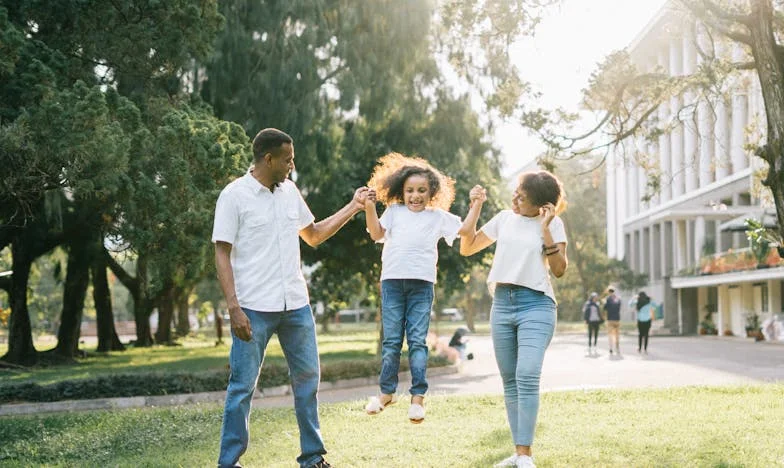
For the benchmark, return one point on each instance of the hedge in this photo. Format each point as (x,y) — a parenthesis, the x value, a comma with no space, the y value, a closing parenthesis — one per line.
(156,383)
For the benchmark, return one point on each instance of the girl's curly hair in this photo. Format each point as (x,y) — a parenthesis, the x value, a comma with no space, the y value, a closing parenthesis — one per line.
(394,168)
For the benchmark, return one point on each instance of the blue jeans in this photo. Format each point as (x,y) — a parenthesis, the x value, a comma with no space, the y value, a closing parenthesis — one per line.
(522,324)
(405,307)
(297,335)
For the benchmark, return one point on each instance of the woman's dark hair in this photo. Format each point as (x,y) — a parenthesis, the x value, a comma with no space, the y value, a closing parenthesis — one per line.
(543,187)
(394,183)
(642,300)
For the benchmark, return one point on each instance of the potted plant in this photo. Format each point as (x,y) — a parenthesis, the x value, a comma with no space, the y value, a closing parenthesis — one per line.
(707,327)
(753,326)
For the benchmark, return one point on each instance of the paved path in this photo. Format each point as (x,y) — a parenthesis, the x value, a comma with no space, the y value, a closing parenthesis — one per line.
(672,361)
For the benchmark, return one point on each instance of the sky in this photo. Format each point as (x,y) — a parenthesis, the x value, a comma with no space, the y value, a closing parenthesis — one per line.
(569,43)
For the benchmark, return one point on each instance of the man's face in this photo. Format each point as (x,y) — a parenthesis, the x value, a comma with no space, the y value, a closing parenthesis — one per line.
(282,163)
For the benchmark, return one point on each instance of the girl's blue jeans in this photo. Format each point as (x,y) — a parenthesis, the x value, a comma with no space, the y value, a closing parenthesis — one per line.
(405,308)
(522,323)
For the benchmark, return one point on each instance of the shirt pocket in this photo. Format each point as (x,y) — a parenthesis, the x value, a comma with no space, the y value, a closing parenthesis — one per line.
(256,222)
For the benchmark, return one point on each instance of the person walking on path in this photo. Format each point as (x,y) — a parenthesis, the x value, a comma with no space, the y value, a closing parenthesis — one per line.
(417,198)
(531,244)
(612,309)
(646,312)
(259,219)
(593,318)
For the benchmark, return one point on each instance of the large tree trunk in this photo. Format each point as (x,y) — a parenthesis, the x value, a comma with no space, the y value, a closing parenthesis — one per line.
(183,324)
(165,316)
(139,290)
(20,334)
(76,281)
(107,334)
(218,325)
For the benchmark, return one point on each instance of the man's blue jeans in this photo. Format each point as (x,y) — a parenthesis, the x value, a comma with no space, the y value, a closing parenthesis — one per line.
(522,323)
(405,307)
(297,335)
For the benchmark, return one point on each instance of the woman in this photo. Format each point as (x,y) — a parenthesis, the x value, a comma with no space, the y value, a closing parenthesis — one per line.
(531,243)
(646,311)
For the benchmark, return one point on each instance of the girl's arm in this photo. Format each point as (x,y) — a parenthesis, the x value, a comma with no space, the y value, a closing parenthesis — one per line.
(472,242)
(371,217)
(555,258)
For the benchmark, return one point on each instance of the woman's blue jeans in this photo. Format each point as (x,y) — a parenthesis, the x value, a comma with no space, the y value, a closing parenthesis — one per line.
(297,335)
(405,308)
(522,323)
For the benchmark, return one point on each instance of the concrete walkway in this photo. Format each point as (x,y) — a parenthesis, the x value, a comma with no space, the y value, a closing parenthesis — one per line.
(671,361)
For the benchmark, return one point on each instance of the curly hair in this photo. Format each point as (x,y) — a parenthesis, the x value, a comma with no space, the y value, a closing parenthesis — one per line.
(394,169)
(543,187)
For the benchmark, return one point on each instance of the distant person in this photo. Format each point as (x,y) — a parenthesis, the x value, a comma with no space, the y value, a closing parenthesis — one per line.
(612,309)
(417,198)
(531,244)
(459,342)
(259,219)
(646,312)
(593,318)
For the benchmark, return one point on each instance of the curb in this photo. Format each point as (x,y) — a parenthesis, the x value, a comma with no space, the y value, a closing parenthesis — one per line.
(17,409)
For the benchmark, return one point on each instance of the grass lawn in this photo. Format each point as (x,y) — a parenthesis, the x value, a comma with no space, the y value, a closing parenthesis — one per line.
(711,427)
(194,355)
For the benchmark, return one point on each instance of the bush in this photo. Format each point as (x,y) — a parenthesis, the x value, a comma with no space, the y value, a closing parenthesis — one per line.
(153,383)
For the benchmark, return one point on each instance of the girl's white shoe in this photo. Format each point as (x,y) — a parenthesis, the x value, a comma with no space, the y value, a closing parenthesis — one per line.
(416,413)
(375,406)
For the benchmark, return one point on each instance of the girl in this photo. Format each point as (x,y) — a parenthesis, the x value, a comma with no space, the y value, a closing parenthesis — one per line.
(531,244)
(417,197)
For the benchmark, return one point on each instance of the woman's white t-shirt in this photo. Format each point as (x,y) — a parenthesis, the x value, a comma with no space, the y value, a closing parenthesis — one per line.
(519,258)
(411,241)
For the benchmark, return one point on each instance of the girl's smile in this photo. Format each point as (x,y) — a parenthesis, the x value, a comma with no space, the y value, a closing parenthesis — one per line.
(416,192)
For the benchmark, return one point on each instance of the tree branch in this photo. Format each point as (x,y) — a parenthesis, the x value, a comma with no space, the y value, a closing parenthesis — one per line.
(127,280)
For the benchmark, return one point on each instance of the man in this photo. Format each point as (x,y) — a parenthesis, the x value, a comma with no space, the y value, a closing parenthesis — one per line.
(593,318)
(612,309)
(259,219)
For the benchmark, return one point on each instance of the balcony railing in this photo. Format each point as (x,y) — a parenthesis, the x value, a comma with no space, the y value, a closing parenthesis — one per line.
(732,261)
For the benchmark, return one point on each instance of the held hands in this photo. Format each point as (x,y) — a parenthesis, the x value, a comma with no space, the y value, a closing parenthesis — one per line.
(360,198)
(477,194)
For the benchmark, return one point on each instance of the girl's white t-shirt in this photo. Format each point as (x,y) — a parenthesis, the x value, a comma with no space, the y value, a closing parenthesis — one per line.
(519,258)
(411,241)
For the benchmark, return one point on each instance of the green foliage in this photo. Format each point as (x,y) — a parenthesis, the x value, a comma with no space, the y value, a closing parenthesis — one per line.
(759,239)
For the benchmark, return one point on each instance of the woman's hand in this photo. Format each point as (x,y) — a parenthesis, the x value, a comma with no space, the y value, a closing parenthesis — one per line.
(548,213)
(370,199)
(477,194)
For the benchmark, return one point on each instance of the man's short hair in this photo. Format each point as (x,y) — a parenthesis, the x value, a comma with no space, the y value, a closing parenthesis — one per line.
(611,290)
(268,141)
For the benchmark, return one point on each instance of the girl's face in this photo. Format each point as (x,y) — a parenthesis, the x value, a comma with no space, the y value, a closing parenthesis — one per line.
(521,204)
(416,192)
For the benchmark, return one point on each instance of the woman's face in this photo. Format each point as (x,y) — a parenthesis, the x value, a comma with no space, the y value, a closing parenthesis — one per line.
(416,192)
(521,204)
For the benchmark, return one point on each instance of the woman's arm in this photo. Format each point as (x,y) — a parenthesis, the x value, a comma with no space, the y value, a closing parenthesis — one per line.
(472,242)
(556,259)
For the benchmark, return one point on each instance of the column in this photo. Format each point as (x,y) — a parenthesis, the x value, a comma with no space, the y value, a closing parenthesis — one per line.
(680,245)
(740,116)
(676,135)
(690,159)
(699,238)
(611,198)
(722,141)
(705,123)
(664,139)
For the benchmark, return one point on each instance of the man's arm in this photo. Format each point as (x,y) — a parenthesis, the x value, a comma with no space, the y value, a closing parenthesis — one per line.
(316,233)
(240,324)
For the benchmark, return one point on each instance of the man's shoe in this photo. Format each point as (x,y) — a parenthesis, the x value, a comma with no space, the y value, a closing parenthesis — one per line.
(511,461)
(524,461)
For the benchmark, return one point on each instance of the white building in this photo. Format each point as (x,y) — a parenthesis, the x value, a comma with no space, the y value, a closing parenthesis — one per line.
(679,237)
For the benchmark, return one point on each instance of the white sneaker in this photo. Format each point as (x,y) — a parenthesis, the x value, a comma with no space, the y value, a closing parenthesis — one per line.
(416,413)
(524,461)
(511,461)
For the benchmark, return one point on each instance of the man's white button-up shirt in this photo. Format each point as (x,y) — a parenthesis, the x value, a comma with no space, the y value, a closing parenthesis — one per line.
(263,229)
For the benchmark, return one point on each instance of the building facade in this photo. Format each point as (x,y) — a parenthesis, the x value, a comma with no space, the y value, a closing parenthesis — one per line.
(688,236)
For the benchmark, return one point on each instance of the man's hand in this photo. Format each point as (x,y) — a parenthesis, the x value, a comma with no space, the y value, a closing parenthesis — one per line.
(371,198)
(240,324)
(360,197)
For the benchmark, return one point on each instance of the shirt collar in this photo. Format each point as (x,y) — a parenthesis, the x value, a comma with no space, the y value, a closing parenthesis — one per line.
(255,185)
